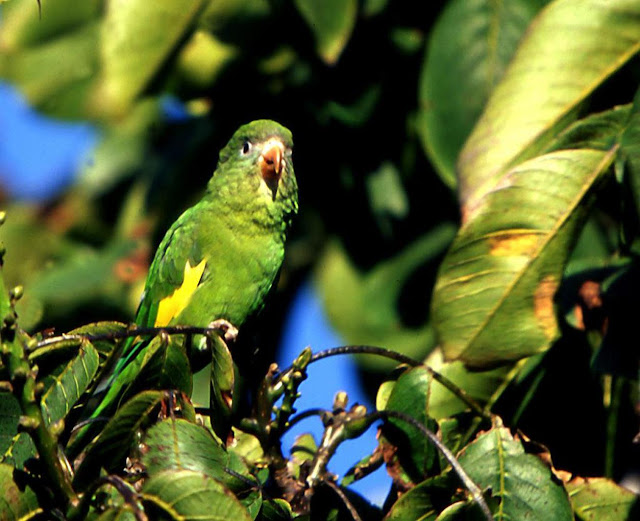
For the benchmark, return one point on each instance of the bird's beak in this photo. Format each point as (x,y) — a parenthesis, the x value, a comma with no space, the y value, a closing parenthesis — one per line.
(272,161)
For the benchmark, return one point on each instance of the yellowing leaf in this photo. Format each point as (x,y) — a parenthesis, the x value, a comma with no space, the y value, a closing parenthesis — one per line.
(493,300)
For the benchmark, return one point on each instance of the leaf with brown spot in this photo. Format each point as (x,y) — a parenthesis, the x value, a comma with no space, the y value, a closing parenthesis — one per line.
(543,307)
(493,300)
(600,499)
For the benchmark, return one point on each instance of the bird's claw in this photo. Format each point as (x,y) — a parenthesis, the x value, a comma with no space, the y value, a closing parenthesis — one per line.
(228,330)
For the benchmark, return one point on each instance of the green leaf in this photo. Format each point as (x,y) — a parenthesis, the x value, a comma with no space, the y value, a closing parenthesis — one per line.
(524,485)
(121,151)
(187,495)
(478,385)
(138,39)
(118,436)
(16,502)
(363,307)
(597,131)
(600,499)
(49,73)
(410,395)
(221,386)
(15,448)
(85,276)
(22,25)
(493,300)
(544,85)
(165,366)
(179,444)
(72,382)
(105,327)
(332,22)
(276,510)
(422,501)
(470,46)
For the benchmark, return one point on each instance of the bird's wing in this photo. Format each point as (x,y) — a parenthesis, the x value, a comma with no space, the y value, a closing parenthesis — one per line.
(175,273)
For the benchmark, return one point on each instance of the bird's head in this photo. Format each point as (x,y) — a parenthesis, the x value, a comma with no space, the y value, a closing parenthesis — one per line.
(257,163)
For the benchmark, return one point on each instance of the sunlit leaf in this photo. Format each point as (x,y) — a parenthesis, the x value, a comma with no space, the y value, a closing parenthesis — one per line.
(524,485)
(204,58)
(24,26)
(493,300)
(469,49)
(332,22)
(138,38)
(544,84)
(600,499)
(70,384)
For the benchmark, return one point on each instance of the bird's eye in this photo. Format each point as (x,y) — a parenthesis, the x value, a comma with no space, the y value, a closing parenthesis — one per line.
(246,146)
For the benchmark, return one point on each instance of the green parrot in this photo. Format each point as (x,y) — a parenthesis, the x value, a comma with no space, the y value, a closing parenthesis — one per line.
(218,262)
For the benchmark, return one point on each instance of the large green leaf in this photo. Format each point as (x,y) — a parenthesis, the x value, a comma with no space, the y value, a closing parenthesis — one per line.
(23,25)
(493,300)
(569,50)
(138,38)
(179,444)
(70,384)
(186,495)
(600,499)
(469,48)
(332,22)
(416,454)
(523,483)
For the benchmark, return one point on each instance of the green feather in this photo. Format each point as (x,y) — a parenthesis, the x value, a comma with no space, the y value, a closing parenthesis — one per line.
(238,228)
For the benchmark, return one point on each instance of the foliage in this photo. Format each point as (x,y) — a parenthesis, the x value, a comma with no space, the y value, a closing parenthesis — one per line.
(519,317)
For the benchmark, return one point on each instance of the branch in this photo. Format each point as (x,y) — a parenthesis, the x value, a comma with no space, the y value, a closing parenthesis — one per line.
(470,485)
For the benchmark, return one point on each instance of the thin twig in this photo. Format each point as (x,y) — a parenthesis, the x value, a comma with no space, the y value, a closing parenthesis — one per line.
(352,510)
(476,493)
(317,411)
(403,359)
(129,332)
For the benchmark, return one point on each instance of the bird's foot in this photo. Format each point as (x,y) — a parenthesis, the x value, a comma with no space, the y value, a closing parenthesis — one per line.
(228,330)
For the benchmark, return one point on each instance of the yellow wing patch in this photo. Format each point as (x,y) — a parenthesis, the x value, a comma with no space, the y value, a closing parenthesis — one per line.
(173,305)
